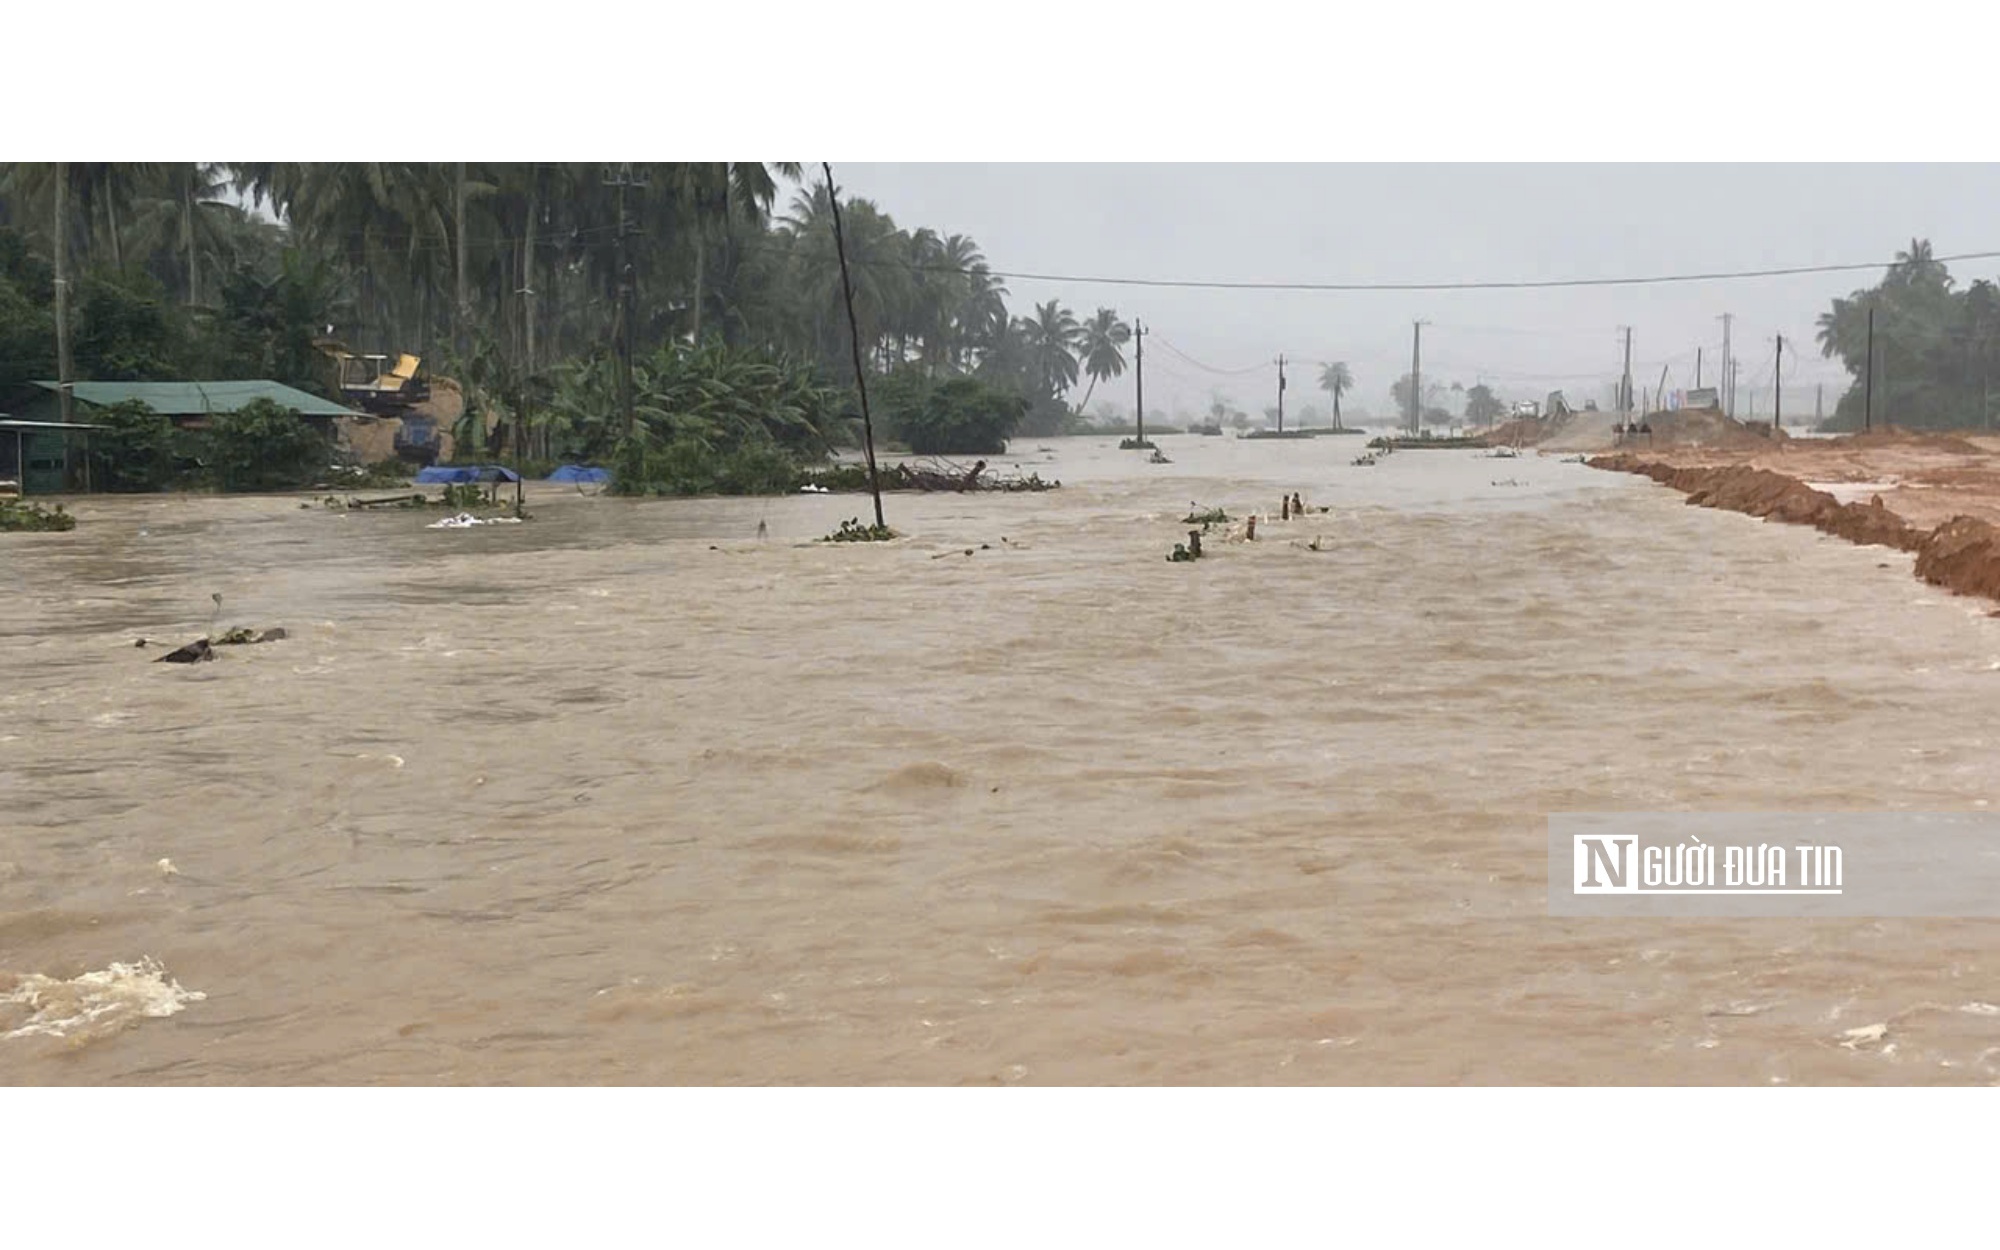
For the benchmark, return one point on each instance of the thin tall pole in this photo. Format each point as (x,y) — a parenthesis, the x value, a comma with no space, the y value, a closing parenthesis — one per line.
(623,179)
(1139,373)
(854,337)
(1728,370)
(1778,387)
(1868,395)
(63,378)
(1697,368)
(1625,387)
(1281,394)
(1417,378)
(462,314)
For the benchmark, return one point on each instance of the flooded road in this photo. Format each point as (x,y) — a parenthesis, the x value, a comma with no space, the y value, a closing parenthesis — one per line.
(627,795)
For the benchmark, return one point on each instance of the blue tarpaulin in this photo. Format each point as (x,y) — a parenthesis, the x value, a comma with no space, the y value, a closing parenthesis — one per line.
(580,473)
(453,475)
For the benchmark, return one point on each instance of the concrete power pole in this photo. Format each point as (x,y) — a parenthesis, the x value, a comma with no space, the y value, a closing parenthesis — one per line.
(1139,374)
(1728,369)
(1281,394)
(1625,381)
(1868,396)
(1417,379)
(1778,387)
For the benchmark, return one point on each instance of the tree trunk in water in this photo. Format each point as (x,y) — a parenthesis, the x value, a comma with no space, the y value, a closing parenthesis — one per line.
(117,246)
(187,237)
(62,293)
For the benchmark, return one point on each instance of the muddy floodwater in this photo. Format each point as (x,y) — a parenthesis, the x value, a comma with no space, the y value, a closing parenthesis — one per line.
(628,795)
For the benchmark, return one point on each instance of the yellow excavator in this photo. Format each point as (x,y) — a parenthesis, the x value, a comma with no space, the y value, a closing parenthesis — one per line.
(372,384)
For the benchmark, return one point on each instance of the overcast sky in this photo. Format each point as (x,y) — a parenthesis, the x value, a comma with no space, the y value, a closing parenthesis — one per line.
(1448,223)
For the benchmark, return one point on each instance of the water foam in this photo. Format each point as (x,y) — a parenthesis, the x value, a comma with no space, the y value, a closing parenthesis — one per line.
(95,1003)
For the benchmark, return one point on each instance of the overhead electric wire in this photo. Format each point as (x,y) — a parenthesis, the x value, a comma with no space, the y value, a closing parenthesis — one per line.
(1199,365)
(1500,285)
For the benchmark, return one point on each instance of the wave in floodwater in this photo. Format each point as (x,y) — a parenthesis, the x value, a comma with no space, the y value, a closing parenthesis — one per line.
(93,1005)
(629,794)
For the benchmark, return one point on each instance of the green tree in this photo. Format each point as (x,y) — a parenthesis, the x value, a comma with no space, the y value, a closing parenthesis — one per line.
(127,330)
(952,416)
(1050,337)
(27,317)
(1099,342)
(262,446)
(1482,406)
(1336,380)
(134,451)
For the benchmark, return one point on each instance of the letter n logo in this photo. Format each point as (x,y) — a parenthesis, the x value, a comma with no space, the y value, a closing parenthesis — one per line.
(1604,864)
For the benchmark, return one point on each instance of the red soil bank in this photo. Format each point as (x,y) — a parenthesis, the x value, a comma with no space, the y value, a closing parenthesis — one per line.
(1962,555)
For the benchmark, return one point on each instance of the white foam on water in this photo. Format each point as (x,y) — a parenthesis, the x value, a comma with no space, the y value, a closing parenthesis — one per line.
(96,1002)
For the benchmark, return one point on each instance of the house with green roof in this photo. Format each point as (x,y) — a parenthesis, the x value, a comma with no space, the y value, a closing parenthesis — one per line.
(53,456)
(187,404)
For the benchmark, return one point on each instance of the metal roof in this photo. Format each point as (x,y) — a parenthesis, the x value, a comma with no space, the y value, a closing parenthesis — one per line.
(7,423)
(193,399)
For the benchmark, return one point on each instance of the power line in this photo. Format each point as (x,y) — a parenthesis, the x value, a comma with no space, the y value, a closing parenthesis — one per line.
(1514,285)
(1197,364)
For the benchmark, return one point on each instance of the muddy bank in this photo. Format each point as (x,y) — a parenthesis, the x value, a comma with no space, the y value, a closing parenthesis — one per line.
(1961,555)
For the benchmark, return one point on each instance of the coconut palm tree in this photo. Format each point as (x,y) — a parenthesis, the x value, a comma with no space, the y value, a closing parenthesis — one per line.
(1051,339)
(1099,341)
(1336,380)
(1917,266)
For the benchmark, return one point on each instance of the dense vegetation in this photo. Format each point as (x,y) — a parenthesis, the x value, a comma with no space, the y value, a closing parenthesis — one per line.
(515,280)
(261,446)
(1937,349)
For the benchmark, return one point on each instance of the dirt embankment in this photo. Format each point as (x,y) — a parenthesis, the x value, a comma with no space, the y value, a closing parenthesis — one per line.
(1593,431)
(1961,555)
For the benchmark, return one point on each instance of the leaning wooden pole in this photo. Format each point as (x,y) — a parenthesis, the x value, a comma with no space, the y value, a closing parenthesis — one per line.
(854,337)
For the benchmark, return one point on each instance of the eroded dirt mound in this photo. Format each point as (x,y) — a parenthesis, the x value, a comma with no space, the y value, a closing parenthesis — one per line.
(1895,436)
(1525,432)
(1962,555)
(1776,497)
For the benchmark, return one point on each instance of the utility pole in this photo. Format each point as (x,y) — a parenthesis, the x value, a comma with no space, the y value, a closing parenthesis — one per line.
(463,313)
(1625,385)
(1778,387)
(1868,395)
(1697,368)
(1417,380)
(63,378)
(622,179)
(1819,403)
(1728,369)
(854,337)
(1139,373)
(1281,393)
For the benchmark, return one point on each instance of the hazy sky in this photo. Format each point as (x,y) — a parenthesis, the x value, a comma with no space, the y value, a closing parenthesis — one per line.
(1445,223)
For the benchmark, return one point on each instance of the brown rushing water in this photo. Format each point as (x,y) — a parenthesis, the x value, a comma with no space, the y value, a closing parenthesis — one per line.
(588,800)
